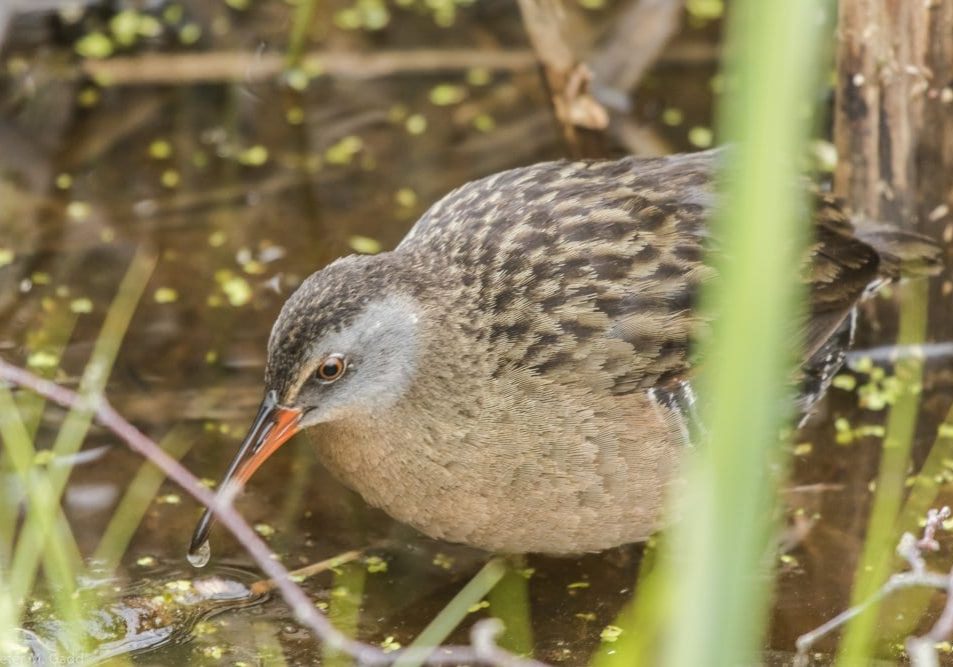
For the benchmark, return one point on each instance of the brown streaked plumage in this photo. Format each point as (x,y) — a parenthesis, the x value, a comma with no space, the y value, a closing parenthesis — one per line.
(518,370)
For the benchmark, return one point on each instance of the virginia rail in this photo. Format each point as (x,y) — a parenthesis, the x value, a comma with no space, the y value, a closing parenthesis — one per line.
(515,375)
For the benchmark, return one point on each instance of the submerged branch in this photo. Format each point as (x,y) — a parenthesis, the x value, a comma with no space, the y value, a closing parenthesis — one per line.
(267,585)
(897,582)
(922,650)
(251,67)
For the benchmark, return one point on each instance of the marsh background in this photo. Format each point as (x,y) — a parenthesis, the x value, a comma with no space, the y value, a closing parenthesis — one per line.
(240,185)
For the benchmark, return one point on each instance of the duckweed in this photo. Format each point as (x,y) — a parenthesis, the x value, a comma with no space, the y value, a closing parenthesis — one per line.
(364,245)
(160,149)
(447,94)
(254,156)
(95,45)
(165,295)
(81,306)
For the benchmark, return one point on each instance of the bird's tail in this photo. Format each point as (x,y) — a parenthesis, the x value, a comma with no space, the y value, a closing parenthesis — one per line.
(903,253)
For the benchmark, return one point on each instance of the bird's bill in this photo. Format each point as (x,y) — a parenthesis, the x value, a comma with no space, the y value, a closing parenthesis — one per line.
(273,426)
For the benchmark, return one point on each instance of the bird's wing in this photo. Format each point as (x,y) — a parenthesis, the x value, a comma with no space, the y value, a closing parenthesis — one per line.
(588,271)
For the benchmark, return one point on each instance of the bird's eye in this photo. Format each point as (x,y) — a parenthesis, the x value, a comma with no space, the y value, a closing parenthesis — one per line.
(332,368)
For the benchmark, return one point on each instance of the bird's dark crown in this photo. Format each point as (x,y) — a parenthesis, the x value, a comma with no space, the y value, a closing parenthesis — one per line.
(326,302)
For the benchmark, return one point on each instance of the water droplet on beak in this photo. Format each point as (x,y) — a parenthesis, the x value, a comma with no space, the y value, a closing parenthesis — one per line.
(201,556)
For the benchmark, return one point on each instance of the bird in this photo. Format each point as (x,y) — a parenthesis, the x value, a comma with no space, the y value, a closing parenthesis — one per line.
(517,374)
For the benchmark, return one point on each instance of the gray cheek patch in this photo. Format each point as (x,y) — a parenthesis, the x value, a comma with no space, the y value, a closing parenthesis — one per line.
(383,346)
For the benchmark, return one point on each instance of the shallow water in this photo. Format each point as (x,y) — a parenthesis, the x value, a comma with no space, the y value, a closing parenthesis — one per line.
(241,190)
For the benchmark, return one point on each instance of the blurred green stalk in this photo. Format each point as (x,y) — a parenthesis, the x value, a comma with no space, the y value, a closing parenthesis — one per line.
(640,619)
(52,338)
(34,534)
(926,485)
(905,611)
(302,476)
(509,602)
(60,555)
(304,13)
(270,651)
(883,529)
(135,503)
(8,621)
(457,609)
(344,608)
(721,540)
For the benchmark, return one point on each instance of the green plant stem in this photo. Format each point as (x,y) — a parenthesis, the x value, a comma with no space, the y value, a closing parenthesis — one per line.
(911,604)
(56,332)
(59,561)
(723,519)
(344,610)
(302,466)
(509,602)
(304,13)
(135,502)
(457,609)
(876,561)
(8,620)
(925,487)
(268,648)
(33,536)
(640,620)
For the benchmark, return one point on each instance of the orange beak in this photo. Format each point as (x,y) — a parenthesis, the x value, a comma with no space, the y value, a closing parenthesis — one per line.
(272,428)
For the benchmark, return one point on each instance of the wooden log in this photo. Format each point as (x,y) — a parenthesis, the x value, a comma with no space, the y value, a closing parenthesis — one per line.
(893,121)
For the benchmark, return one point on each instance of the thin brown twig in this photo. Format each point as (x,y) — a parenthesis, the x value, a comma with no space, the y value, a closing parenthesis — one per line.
(248,67)
(294,596)
(581,117)
(266,585)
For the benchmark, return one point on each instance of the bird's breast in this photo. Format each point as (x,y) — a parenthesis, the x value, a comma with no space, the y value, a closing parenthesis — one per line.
(551,470)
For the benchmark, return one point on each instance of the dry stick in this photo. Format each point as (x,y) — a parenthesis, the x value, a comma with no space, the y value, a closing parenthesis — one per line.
(266,585)
(582,118)
(246,67)
(296,598)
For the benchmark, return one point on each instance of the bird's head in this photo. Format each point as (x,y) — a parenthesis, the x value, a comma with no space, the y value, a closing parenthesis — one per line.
(345,346)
